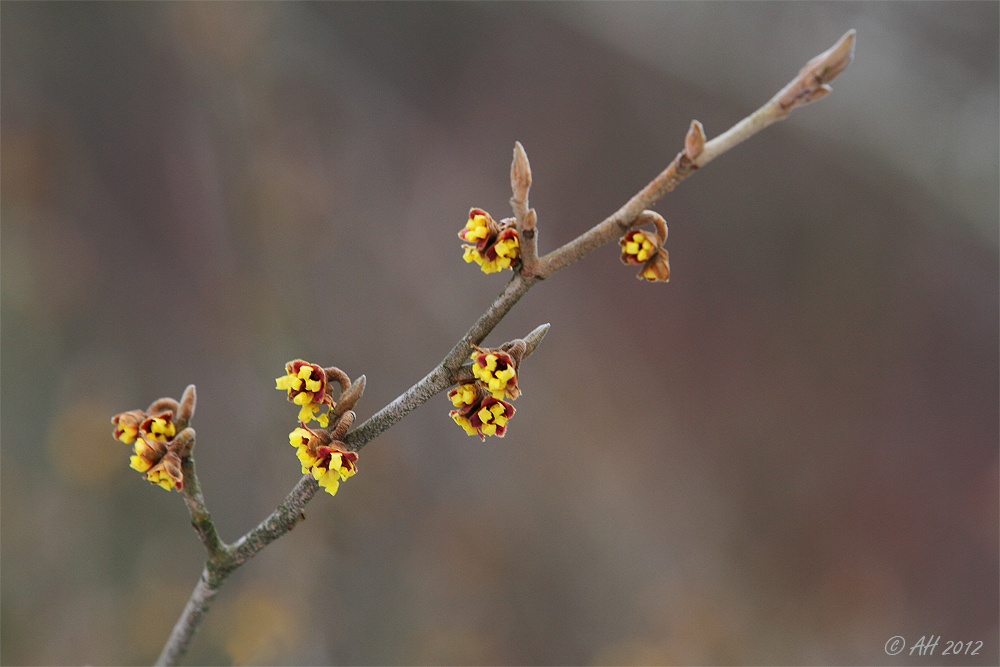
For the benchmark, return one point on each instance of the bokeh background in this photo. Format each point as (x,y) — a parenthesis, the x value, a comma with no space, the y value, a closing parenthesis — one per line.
(788,454)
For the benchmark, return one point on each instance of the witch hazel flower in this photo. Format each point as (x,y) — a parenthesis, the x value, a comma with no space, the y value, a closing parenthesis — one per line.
(323,456)
(496,369)
(322,452)
(644,248)
(160,446)
(308,386)
(478,412)
(491,245)
(127,425)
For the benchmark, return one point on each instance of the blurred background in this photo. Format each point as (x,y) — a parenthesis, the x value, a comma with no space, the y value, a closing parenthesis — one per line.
(788,454)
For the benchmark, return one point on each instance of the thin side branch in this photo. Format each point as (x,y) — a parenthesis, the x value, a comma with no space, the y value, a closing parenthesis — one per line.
(440,378)
(808,86)
(201,519)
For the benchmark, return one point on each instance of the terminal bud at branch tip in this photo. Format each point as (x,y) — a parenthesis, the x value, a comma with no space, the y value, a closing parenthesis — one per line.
(520,173)
(826,66)
(186,409)
(532,340)
(811,82)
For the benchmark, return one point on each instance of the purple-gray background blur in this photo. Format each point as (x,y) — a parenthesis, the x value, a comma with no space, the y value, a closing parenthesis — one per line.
(788,454)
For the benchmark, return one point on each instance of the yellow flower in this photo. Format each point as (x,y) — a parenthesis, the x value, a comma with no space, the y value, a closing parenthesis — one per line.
(160,427)
(484,415)
(327,461)
(333,466)
(310,411)
(127,425)
(639,247)
(497,371)
(147,454)
(478,228)
(159,451)
(167,473)
(300,437)
(305,383)
(492,246)
(636,247)
(463,394)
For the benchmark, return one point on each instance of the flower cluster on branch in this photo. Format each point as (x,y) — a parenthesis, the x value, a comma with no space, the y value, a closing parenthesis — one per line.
(162,437)
(480,408)
(491,245)
(326,459)
(322,453)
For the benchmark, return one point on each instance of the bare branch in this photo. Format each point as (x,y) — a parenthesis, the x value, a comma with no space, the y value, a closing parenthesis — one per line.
(440,378)
(201,519)
(283,519)
(808,86)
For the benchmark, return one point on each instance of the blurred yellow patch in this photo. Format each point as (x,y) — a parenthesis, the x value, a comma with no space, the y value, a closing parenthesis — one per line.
(257,628)
(79,447)
(150,612)
(634,652)
(456,646)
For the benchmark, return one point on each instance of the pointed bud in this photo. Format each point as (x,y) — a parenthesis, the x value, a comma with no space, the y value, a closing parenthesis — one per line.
(350,397)
(520,174)
(530,220)
(828,65)
(186,409)
(694,142)
(810,84)
(532,340)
